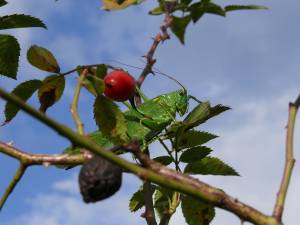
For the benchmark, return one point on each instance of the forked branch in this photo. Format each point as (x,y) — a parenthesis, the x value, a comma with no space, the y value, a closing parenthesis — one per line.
(156,173)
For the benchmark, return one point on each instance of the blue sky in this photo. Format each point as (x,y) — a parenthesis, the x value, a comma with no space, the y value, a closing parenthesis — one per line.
(249,61)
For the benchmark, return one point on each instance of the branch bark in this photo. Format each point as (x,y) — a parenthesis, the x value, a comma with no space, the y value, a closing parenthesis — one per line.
(157,173)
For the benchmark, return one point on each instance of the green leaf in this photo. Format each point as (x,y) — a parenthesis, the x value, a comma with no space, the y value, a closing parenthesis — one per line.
(197,212)
(50,91)
(198,115)
(9,56)
(200,8)
(162,201)
(97,83)
(165,160)
(156,11)
(101,71)
(229,8)
(202,113)
(96,137)
(110,119)
(194,154)
(210,166)
(2,3)
(193,138)
(42,59)
(137,200)
(218,109)
(213,8)
(24,91)
(20,21)
(179,26)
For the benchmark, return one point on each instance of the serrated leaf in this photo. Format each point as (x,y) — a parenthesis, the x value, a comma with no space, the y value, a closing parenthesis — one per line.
(156,11)
(50,91)
(210,166)
(97,83)
(137,200)
(192,138)
(24,91)
(197,212)
(118,4)
(2,3)
(110,119)
(165,160)
(194,154)
(9,56)
(229,8)
(20,21)
(101,71)
(179,25)
(198,114)
(42,59)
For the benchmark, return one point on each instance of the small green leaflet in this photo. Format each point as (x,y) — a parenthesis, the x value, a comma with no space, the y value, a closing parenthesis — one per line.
(110,120)
(20,21)
(9,56)
(210,166)
(137,200)
(42,59)
(162,201)
(196,212)
(193,138)
(229,8)
(202,113)
(96,137)
(194,154)
(179,26)
(50,91)
(24,91)
(165,160)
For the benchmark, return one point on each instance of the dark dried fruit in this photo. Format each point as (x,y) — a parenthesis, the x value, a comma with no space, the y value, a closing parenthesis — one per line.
(99,179)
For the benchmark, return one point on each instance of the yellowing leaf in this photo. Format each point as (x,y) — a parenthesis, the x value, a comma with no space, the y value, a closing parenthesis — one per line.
(118,4)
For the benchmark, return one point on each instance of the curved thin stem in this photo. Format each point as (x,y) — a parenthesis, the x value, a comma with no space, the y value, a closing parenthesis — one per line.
(20,172)
(74,105)
(289,161)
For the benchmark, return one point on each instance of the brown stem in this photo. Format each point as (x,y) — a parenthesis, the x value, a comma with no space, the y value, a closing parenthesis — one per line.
(150,61)
(289,161)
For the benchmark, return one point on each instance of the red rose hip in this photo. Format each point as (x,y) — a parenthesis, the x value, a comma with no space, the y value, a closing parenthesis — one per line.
(119,85)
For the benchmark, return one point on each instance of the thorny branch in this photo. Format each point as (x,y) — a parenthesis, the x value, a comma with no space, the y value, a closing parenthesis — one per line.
(156,173)
(28,159)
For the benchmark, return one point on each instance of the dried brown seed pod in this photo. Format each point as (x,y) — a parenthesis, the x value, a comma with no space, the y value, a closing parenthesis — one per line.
(99,179)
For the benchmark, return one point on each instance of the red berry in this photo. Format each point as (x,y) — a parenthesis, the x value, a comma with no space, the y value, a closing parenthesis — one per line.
(119,85)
